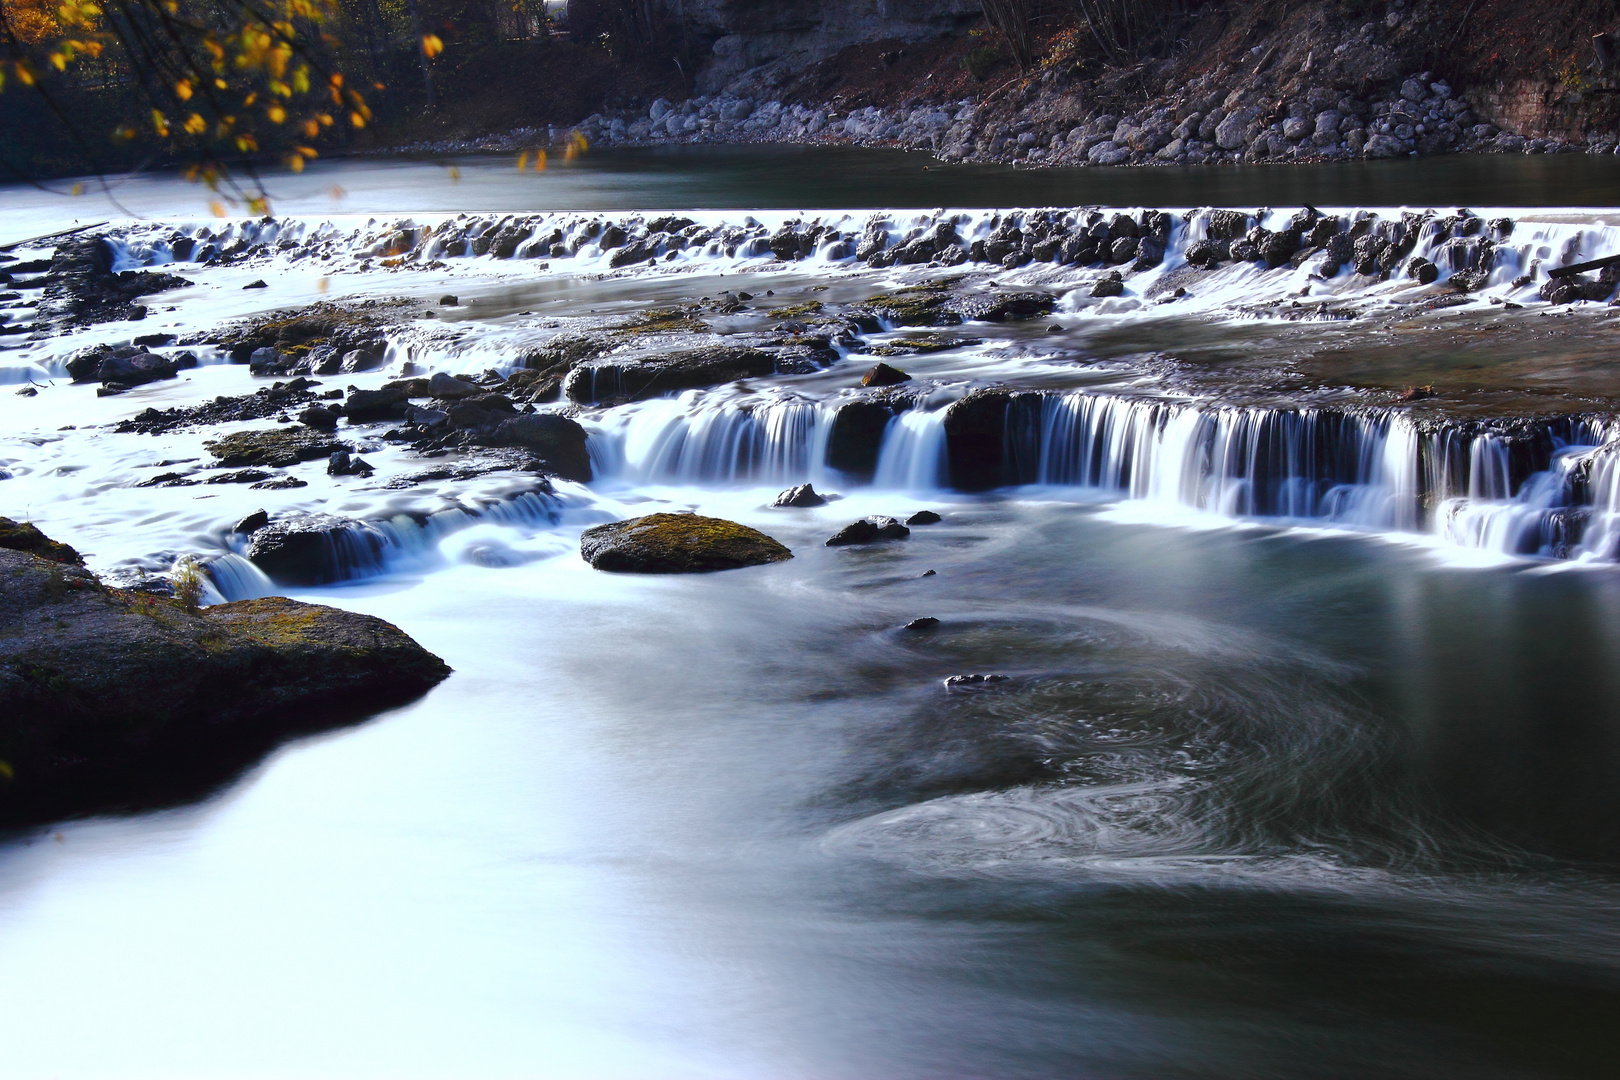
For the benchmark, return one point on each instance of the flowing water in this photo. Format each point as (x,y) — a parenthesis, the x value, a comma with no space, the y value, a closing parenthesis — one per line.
(1306,762)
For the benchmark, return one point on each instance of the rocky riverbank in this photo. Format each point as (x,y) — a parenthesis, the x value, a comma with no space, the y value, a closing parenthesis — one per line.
(114,698)
(1323,83)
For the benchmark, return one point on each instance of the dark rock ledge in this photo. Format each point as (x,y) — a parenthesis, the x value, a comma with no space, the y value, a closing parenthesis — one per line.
(113,699)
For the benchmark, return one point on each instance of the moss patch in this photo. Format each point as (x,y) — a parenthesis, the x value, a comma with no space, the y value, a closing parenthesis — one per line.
(672,320)
(276,447)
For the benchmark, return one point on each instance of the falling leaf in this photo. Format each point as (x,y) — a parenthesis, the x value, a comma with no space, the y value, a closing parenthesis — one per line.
(78,189)
(322,285)
(216,208)
(431,45)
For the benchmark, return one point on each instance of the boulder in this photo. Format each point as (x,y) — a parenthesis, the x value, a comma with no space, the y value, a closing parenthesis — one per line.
(868,530)
(316,549)
(251,524)
(137,369)
(385,404)
(856,438)
(884,375)
(799,496)
(319,417)
(276,447)
(1023,305)
(653,376)
(677,544)
(558,441)
(924,517)
(1112,285)
(976,430)
(449,388)
(116,698)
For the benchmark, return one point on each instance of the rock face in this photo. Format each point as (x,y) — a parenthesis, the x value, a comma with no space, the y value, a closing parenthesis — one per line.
(677,544)
(111,698)
(25,537)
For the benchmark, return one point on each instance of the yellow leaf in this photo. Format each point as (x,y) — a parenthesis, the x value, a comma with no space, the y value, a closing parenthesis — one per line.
(195,124)
(78,189)
(431,45)
(539,161)
(523,161)
(216,208)
(182,89)
(357,120)
(250,99)
(307,151)
(322,285)
(276,114)
(311,129)
(160,124)
(455,174)
(295,162)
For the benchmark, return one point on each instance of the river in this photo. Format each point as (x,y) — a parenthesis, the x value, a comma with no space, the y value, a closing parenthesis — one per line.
(1306,765)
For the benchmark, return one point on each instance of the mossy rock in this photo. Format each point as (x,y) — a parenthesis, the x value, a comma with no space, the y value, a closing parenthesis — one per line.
(112,699)
(677,544)
(277,447)
(23,536)
(672,320)
(918,305)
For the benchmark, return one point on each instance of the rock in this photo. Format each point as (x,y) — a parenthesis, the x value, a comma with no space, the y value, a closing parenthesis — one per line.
(1208,254)
(928,573)
(316,549)
(802,495)
(259,284)
(481,413)
(1023,305)
(277,447)
(252,523)
(857,436)
(868,530)
(135,370)
(924,517)
(385,404)
(558,441)
(1232,132)
(449,388)
(114,698)
(960,682)
(976,437)
(1383,146)
(1422,271)
(651,377)
(677,544)
(884,375)
(319,417)
(1112,285)
(448,301)
(927,622)
(25,537)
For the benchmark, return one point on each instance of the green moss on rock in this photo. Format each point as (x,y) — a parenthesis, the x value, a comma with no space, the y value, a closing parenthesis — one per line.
(677,544)
(23,536)
(277,447)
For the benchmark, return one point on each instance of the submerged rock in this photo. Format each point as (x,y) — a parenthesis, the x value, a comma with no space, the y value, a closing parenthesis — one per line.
(802,495)
(962,682)
(868,530)
(677,544)
(111,698)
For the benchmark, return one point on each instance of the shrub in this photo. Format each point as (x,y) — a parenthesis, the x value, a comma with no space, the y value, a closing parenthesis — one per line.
(187,576)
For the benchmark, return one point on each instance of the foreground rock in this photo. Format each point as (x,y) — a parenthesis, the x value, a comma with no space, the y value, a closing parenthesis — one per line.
(315,549)
(113,699)
(677,544)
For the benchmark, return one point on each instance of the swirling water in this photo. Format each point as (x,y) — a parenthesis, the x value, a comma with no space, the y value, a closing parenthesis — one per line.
(1258,797)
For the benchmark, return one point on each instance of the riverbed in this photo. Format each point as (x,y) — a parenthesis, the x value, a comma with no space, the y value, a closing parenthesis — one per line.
(1304,764)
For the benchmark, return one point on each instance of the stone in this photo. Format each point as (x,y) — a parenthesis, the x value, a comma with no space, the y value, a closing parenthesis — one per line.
(385,404)
(276,447)
(116,698)
(252,523)
(259,284)
(449,388)
(1422,271)
(558,441)
(801,495)
(884,375)
(926,622)
(924,517)
(1112,285)
(316,549)
(868,530)
(143,367)
(656,376)
(448,301)
(677,544)
(319,417)
(857,436)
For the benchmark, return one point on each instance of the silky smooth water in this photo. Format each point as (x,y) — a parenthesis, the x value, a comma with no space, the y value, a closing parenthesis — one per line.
(1256,799)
